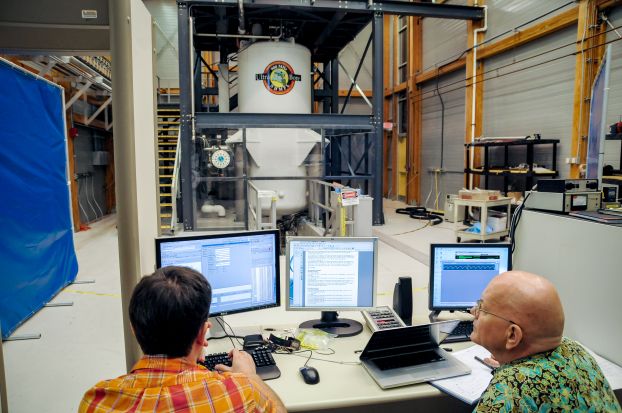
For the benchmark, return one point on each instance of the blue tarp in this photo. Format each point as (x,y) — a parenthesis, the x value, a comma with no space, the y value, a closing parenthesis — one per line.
(37,257)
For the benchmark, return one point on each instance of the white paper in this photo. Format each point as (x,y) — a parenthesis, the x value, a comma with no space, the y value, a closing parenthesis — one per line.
(468,388)
(612,372)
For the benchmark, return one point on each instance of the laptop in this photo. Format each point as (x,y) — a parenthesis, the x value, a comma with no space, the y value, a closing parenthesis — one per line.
(408,355)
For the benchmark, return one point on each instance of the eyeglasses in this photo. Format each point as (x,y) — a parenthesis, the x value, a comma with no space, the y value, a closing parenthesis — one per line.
(478,307)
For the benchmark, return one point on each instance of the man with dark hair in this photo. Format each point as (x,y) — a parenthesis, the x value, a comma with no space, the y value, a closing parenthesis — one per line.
(168,312)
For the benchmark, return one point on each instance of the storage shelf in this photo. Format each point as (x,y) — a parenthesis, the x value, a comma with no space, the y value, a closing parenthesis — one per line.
(516,142)
(503,170)
(498,172)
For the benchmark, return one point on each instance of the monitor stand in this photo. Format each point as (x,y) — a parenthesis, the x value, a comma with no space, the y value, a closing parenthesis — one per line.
(217,328)
(434,316)
(342,327)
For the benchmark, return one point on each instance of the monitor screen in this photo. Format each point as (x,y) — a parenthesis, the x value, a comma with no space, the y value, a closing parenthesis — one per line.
(459,273)
(331,274)
(242,267)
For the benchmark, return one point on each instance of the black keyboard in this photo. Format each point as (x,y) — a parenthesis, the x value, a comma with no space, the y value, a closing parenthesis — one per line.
(461,333)
(262,356)
(406,360)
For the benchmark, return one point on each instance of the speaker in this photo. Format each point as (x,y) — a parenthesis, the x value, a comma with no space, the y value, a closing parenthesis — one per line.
(403,299)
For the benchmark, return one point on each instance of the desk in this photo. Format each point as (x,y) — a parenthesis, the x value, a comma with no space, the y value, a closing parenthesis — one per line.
(341,388)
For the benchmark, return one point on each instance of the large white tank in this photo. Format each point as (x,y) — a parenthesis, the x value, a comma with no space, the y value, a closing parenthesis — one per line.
(275,77)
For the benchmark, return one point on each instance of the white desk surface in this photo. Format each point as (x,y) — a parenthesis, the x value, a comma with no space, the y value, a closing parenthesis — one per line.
(340,385)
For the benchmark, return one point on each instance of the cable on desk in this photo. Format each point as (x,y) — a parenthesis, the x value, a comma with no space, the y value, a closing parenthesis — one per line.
(295,353)
(231,336)
(225,336)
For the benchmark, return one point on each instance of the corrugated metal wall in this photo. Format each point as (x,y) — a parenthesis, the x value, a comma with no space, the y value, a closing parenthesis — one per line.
(506,15)
(614,112)
(433,185)
(443,40)
(521,98)
(531,100)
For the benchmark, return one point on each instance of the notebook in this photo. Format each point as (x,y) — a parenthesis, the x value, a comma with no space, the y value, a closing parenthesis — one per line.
(408,355)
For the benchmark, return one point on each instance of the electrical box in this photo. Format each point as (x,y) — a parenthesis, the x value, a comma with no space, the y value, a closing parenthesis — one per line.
(100,158)
(449,209)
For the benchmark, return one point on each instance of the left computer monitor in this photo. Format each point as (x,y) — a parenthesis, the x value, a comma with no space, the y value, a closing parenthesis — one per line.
(242,268)
(330,275)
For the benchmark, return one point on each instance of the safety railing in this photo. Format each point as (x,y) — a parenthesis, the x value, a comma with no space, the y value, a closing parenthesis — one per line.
(255,197)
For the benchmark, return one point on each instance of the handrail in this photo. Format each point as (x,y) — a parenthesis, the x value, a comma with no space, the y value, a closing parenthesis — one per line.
(256,212)
(175,185)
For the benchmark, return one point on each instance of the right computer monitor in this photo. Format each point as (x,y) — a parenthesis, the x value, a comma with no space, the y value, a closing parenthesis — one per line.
(459,273)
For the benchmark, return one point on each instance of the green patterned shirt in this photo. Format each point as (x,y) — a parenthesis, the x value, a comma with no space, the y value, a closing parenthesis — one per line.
(565,379)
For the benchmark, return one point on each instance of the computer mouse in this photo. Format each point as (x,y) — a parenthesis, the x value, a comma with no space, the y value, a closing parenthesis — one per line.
(310,375)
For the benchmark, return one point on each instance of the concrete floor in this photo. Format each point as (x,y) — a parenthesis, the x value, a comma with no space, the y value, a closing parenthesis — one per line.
(83,343)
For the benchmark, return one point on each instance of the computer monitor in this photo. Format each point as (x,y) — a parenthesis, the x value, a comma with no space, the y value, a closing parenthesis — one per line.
(330,275)
(242,268)
(459,273)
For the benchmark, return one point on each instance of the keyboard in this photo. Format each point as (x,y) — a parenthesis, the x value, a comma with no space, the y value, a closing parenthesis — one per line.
(407,360)
(461,333)
(382,318)
(262,356)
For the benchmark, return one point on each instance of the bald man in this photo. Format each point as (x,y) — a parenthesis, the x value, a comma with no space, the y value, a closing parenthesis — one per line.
(520,320)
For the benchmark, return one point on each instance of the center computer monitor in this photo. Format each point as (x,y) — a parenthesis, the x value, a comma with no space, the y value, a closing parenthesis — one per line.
(330,275)
(242,268)
(459,273)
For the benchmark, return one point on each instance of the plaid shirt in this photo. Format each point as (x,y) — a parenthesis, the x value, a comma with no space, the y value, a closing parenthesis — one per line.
(160,384)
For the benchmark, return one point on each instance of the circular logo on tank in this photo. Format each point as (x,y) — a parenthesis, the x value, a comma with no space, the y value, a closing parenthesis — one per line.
(278,77)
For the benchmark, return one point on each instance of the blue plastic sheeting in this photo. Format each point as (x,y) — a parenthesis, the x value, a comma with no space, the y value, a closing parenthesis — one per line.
(37,257)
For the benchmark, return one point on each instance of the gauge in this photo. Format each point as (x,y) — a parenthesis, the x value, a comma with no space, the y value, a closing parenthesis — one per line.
(221,158)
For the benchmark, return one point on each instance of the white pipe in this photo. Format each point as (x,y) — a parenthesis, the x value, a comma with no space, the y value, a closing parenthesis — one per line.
(223,87)
(207,208)
(473,85)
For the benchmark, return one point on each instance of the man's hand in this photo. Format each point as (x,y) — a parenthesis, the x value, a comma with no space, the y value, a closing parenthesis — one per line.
(241,362)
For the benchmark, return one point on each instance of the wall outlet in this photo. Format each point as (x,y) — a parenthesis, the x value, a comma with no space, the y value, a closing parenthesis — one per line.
(571,161)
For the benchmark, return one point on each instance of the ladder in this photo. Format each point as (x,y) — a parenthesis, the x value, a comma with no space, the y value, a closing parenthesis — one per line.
(167,136)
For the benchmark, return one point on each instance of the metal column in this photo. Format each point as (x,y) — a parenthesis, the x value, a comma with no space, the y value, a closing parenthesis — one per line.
(334,84)
(4,404)
(335,153)
(125,165)
(185,109)
(377,92)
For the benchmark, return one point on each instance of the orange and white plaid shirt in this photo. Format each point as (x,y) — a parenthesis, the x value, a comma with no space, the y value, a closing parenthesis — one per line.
(160,384)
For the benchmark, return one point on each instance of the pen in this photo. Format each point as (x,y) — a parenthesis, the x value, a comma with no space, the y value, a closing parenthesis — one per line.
(483,362)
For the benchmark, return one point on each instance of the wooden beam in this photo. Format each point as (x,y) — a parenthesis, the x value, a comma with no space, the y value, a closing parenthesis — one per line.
(394,137)
(586,65)
(415,130)
(355,93)
(549,26)
(73,183)
(477,89)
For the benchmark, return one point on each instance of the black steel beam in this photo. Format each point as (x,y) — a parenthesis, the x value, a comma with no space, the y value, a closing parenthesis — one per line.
(400,7)
(328,30)
(377,97)
(291,120)
(185,109)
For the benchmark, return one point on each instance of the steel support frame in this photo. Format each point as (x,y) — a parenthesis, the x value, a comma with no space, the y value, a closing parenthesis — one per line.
(446,11)
(185,110)
(316,121)
(377,115)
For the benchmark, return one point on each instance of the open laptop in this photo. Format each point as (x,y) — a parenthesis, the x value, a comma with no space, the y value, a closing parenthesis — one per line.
(408,355)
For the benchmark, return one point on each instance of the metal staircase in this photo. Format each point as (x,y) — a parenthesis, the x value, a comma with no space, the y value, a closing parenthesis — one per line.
(168,165)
